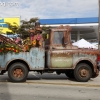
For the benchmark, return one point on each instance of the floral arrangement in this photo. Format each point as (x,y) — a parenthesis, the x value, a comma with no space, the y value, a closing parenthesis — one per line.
(27,45)
(9,46)
(5,48)
(35,42)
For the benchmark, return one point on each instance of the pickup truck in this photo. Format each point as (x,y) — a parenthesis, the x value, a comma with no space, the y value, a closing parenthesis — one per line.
(57,54)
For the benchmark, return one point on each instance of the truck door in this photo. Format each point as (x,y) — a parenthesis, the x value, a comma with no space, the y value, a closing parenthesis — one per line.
(60,57)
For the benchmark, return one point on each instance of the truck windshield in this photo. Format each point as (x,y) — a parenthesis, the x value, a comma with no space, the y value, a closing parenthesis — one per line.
(58,37)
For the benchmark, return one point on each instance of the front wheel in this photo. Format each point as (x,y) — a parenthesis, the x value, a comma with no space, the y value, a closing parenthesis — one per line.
(18,72)
(82,72)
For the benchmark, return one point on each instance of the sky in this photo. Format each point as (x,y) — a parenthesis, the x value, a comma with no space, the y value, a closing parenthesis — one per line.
(49,9)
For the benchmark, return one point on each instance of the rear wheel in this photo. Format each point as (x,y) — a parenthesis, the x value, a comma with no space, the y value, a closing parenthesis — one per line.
(18,72)
(82,72)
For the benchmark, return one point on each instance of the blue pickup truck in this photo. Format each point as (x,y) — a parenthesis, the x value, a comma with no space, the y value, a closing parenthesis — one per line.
(57,54)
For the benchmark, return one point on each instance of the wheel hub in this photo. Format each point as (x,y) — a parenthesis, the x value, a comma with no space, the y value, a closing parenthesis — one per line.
(18,73)
(84,73)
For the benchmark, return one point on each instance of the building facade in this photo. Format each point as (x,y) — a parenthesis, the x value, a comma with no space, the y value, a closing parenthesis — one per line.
(86,28)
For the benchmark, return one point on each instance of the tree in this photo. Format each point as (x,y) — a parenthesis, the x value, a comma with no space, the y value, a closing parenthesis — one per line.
(45,31)
(25,26)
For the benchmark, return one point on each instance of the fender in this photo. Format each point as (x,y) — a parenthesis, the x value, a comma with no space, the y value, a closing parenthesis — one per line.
(89,60)
(16,60)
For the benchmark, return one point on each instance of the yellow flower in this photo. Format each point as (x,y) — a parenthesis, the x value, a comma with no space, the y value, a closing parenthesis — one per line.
(2,48)
(16,50)
(34,42)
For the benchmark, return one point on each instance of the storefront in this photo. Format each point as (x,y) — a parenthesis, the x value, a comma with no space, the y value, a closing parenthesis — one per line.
(86,28)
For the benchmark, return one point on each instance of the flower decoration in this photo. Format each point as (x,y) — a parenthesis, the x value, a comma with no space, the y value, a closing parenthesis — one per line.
(34,42)
(5,48)
(38,37)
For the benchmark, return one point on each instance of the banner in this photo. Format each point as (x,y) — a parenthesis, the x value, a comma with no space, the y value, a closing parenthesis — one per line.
(4,26)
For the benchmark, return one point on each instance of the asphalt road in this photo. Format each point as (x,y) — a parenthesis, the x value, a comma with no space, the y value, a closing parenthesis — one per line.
(49,86)
(31,91)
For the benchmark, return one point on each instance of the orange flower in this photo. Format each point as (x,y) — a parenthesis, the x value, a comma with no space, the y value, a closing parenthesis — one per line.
(26,47)
(16,50)
(9,48)
(34,42)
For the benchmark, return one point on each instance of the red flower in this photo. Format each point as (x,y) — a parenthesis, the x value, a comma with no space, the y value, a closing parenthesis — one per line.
(0,50)
(14,50)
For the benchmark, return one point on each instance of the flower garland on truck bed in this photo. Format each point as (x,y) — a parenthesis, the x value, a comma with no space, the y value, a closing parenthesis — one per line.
(36,40)
(5,48)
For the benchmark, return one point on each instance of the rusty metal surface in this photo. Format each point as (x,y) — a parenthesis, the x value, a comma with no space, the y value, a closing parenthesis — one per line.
(34,58)
(59,58)
(65,55)
(75,50)
(18,73)
(69,58)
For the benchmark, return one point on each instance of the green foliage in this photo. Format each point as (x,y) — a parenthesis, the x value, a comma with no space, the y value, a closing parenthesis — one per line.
(45,31)
(5,48)
(13,27)
(25,26)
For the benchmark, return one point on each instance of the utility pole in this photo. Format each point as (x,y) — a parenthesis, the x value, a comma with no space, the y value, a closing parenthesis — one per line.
(99,28)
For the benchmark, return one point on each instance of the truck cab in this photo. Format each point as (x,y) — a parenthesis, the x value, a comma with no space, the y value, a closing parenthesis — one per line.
(59,48)
(63,57)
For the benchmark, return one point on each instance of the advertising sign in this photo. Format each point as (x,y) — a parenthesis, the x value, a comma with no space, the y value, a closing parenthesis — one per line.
(4,26)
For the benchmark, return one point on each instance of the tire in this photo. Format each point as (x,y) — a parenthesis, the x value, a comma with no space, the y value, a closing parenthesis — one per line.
(69,74)
(83,72)
(18,72)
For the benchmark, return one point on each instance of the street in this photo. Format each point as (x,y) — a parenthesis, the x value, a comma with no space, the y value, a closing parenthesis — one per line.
(49,86)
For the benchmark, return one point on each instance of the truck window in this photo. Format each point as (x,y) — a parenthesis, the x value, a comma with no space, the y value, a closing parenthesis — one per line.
(58,37)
